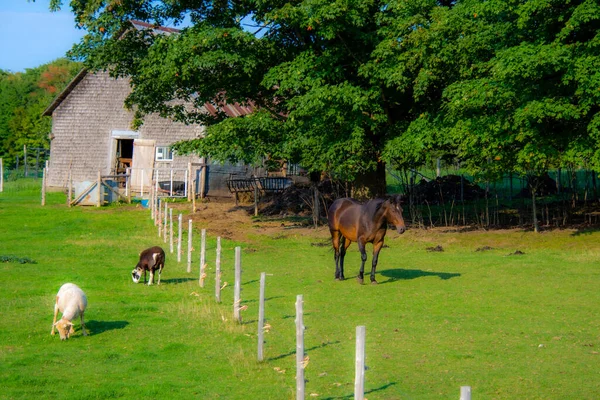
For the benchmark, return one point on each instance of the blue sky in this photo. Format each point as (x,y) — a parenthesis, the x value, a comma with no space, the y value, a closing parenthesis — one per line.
(31,35)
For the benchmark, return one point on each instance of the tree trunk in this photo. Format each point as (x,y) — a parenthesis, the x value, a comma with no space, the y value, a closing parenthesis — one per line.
(536,225)
(371,184)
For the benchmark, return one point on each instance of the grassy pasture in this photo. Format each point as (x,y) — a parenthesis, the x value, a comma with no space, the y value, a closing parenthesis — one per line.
(510,326)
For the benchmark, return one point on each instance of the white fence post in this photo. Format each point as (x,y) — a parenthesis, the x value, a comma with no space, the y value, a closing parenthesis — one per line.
(171,230)
(465,393)
(238,285)
(218,272)
(300,364)
(202,258)
(166,222)
(261,316)
(44,187)
(1,176)
(180,229)
(189,264)
(359,377)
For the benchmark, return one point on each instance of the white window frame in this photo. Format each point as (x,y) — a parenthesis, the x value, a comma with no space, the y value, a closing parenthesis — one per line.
(163,153)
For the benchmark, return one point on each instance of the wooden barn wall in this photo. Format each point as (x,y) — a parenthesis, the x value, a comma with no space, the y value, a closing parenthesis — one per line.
(82,126)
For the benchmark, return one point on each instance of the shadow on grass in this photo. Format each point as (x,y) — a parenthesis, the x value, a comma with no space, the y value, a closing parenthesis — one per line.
(176,280)
(98,327)
(351,396)
(322,345)
(585,231)
(406,274)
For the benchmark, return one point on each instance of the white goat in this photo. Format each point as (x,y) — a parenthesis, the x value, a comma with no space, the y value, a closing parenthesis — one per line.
(71,301)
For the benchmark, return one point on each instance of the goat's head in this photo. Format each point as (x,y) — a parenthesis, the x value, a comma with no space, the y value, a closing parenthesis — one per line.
(136,274)
(65,328)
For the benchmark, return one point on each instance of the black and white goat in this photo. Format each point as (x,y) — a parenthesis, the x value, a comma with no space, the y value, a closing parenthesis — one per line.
(151,259)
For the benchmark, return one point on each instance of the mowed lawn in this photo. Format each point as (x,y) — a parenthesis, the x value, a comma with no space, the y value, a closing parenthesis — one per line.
(511,326)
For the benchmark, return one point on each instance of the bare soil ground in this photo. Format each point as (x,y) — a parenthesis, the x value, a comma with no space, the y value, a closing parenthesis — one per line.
(221,217)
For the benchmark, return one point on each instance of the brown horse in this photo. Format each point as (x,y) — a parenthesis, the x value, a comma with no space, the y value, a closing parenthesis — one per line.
(351,221)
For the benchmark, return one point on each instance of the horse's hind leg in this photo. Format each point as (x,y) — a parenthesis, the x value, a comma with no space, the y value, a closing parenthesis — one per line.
(335,241)
(344,244)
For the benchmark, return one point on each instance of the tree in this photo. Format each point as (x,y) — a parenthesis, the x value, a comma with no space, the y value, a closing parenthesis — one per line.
(23,98)
(309,68)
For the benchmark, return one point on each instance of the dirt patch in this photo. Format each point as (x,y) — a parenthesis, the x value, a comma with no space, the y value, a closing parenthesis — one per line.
(221,217)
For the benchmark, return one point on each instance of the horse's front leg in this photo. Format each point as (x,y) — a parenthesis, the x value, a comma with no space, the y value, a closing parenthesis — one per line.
(363,256)
(376,248)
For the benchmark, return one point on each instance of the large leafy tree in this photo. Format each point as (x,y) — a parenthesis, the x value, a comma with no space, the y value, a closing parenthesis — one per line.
(310,69)
(346,86)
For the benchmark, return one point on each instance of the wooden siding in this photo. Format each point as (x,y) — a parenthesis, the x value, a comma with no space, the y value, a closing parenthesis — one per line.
(82,125)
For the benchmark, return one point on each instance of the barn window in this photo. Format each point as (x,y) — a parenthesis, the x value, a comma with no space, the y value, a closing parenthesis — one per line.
(164,153)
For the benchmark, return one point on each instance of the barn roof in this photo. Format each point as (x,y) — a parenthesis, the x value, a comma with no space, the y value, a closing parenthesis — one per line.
(231,110)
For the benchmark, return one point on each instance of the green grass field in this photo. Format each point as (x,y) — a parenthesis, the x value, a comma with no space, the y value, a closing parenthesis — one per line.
(510,326)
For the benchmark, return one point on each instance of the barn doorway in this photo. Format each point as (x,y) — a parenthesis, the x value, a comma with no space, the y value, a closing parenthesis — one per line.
(124,155)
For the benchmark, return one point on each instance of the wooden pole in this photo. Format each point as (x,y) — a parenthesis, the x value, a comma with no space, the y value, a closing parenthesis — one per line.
(218,272)
(202,181)
(189,264)
(193,197)
(189,174)
(299,348)
(151,203)
(25,170)
(99,189)
(70,191)
(171,230)
(44,187)
(1,176)
(166,222)
(255,200)
(465,393)
(202,258)
(180,229)
(261,317)
(238,285)
(359,377)
(159,217)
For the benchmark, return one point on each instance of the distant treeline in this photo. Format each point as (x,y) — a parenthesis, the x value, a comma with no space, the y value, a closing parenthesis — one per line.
(23,98)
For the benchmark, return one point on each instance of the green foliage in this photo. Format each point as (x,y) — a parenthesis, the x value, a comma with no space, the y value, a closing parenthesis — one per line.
(23,98)
(351,85)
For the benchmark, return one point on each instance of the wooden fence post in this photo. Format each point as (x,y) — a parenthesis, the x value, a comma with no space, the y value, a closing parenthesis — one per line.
(99,190)
(44,187)
(218,271)
(202,258)
(359,377)
(299,348)
(166,222)
(159,217)
(180,228)
(70,191)
(189,264)
(261,316)
(238,285)
(171,230)
(151,203)
(189,174)
(465,393)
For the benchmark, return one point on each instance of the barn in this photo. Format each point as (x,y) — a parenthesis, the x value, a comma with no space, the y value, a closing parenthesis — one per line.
(91,133)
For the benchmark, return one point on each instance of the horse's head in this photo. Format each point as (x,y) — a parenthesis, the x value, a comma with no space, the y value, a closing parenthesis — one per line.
(393,213)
